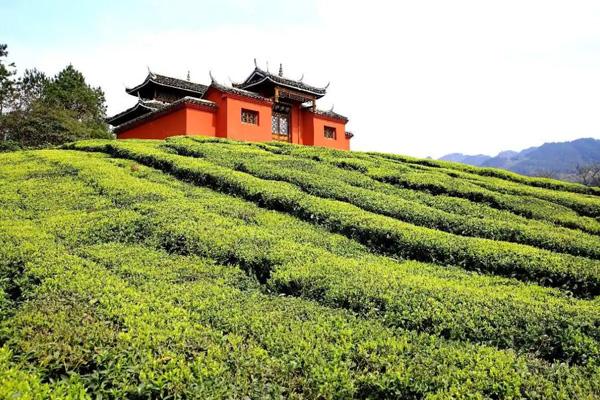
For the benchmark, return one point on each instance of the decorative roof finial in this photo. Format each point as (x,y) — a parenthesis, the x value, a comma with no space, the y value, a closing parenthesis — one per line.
(188,75)
(280,69)
(302,77)
(255,64)
(212,78)
(326,86)
(331,110)
(267,66)
(150,72)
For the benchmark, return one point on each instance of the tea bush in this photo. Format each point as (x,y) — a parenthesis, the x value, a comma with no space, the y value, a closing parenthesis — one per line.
(258,241)
(120,281)
(307,175)
(577,274)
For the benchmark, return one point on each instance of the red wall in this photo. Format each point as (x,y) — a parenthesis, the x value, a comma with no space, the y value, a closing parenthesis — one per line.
(220,100)
(200,121)
(314,132)
(306,127)
(171,124)
(188,120)
(238,130)
(296,125)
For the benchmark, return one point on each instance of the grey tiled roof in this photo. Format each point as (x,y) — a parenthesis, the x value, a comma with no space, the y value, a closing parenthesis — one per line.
(240,92)
(164,110)
(266,75)
(147,106)
(331,114)
(163,80)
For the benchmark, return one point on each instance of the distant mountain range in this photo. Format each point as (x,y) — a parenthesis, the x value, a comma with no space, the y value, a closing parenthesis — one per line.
(559,160)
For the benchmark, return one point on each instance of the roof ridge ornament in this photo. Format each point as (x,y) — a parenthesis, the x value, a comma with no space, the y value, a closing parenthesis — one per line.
(302,77)
(231,82)
(331,109)
(188,76)
(212,78)
(268,67)
(255,63)
(281,70)
(326,86)
(152,75)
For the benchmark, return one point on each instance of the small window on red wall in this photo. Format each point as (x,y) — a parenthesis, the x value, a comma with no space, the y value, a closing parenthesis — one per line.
(329,132)
(249,116)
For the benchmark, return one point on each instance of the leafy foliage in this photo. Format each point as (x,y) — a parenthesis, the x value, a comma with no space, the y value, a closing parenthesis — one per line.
(7,80)
(46,111)
(320,180)
(131,270)
(381,233)
(69,91)
(31,88)
(42,126)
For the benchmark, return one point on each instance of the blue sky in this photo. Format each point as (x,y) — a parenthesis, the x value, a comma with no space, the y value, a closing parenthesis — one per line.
(68,22)
(424,77)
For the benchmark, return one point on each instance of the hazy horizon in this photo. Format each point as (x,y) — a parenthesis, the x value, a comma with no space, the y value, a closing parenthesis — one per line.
(515,150)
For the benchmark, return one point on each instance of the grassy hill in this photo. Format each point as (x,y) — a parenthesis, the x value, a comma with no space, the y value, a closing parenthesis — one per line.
(201,268)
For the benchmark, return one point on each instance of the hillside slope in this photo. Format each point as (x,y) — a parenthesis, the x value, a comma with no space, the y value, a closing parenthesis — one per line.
(203,268)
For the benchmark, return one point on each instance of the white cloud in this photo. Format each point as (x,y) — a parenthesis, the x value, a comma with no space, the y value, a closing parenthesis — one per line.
(415,77)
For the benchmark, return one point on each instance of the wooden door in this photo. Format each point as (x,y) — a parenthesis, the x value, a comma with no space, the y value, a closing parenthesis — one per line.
(280,126)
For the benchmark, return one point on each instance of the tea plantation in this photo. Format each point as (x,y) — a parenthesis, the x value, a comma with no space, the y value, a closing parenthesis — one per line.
(204,268)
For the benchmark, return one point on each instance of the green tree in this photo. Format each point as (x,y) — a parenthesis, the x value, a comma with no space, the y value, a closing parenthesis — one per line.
(70,91)
(51,111)
(42,126)
(30,88)
(7,81)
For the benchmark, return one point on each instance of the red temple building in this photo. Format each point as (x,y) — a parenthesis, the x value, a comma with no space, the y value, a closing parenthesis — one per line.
(264,107)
